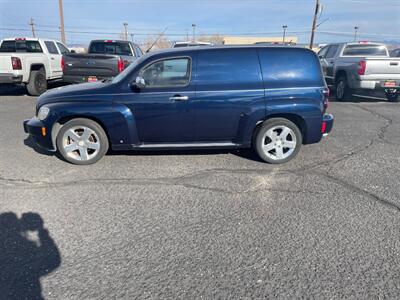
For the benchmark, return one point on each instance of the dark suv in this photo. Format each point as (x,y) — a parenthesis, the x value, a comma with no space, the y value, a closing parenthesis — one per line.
(271,98)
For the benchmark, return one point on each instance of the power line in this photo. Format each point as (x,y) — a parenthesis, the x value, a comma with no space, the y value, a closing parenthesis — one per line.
(184,33)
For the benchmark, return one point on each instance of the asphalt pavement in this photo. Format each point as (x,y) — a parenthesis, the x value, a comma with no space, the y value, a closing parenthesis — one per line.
(204,224)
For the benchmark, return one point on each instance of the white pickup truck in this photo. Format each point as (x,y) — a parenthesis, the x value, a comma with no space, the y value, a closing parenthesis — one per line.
(31,61)
(359,69)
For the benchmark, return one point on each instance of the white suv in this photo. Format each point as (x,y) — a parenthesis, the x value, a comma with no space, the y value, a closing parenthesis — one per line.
(31,61)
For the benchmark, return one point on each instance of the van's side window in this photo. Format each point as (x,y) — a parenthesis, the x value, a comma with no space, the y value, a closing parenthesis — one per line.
(172,72)
(238,69)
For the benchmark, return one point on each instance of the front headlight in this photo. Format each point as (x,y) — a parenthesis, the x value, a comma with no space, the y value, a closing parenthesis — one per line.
(43,113)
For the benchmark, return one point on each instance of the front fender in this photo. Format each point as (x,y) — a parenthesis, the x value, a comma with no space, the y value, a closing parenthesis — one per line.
(116,120)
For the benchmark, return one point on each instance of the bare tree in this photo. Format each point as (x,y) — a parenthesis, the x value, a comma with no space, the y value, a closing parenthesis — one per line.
(161,43)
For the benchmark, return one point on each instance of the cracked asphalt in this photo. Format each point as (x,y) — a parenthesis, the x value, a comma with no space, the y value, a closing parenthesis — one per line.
(207,224)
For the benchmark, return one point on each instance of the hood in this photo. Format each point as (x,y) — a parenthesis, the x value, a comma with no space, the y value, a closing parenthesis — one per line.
(77,92)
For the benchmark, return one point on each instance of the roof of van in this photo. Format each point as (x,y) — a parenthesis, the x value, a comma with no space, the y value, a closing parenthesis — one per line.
(205,48)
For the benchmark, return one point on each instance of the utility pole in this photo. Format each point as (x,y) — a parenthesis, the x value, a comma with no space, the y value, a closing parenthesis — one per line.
(314,25)
(194,32)
(284,32)
(60,9)
(132,36)
(126,31)
(32,27)
(355,33)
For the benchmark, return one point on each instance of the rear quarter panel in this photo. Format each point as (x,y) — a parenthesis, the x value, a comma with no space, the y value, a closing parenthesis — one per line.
(294,85)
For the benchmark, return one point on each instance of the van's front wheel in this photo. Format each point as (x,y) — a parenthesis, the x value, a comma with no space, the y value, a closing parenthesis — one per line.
(278,141)
(82,142)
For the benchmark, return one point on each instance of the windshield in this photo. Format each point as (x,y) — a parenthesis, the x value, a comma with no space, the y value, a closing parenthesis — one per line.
(118,48)
(124,73)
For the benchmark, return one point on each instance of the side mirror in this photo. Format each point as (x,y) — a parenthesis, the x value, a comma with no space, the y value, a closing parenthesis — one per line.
(73,51)
(140,82)
(321,56)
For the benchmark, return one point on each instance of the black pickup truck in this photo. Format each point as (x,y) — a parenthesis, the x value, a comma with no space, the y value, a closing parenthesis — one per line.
(105,59)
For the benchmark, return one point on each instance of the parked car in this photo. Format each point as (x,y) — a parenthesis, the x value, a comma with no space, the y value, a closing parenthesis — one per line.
(105,59)
(395,53)
(191,44)
(360,67)
(272,99)
(31,61)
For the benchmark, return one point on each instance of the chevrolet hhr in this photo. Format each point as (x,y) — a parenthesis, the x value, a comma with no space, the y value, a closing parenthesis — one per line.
(273,99)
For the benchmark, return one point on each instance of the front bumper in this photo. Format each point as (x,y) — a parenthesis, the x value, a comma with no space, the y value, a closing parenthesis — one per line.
(10,78)
(34,127)
(327,124)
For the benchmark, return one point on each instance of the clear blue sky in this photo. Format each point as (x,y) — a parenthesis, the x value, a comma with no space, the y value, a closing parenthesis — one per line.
(377,19)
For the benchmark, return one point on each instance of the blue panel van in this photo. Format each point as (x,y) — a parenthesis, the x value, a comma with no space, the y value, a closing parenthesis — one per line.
(273,99)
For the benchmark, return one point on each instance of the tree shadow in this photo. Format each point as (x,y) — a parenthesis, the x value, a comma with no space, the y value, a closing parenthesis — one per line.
(27,252)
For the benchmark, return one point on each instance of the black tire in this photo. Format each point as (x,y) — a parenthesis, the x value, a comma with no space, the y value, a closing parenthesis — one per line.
(37,84)
(346,93)
(260,140)
(392,97)
(72,157)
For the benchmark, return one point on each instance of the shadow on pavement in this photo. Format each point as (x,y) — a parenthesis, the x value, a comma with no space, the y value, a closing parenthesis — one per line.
(243,153)
(363,97)
(27,252)
(12,90)
(20,89)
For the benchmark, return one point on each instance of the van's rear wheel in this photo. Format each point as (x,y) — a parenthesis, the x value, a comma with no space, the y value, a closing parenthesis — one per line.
(82,142)
(37,84)
(278,141)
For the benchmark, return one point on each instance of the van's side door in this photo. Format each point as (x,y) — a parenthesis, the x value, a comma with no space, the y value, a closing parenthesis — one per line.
(229,89)
(161,108)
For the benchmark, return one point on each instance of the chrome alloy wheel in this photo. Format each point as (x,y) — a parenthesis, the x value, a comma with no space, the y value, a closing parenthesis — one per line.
(279,142)
(81,143)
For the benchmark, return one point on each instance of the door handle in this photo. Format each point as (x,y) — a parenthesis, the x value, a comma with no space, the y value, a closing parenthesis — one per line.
(179,98)
(52,58)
